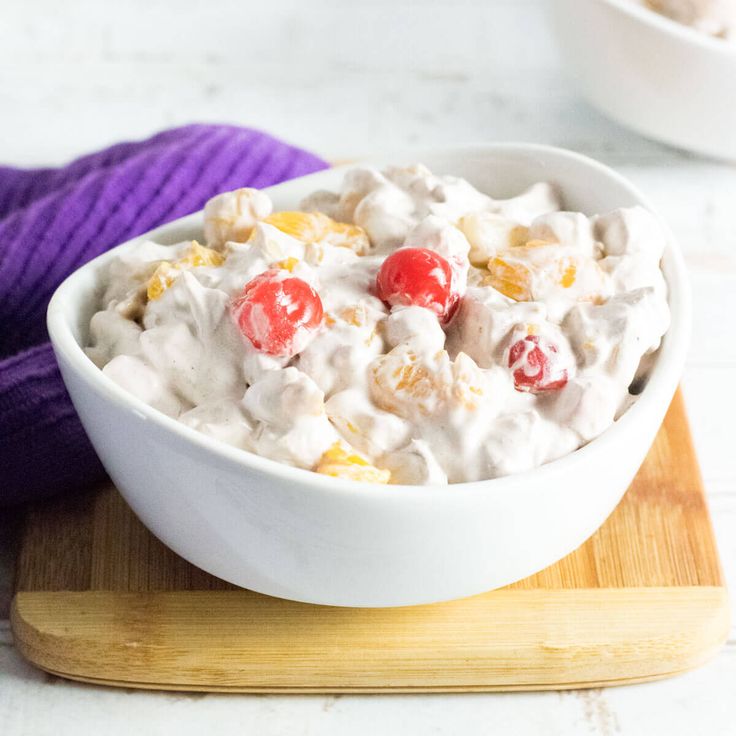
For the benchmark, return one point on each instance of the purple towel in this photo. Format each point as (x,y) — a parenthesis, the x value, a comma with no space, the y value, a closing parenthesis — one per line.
(54,220)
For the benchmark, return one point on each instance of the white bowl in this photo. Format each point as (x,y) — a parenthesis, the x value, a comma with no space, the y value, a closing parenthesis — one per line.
(295,534)
(661,78)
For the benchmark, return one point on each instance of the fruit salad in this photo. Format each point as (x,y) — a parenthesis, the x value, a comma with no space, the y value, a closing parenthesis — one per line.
(712,17)
(408,329)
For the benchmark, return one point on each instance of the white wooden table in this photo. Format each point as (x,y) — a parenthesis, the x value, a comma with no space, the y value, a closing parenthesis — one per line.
(345,77)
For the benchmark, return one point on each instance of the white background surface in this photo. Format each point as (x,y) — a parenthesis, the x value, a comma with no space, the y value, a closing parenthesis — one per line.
(346,77)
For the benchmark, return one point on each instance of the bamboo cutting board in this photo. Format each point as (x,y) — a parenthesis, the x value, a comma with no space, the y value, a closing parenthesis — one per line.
(100,599)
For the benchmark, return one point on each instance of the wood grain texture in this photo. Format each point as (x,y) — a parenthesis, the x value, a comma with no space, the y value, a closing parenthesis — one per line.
(242,641)
(100,599)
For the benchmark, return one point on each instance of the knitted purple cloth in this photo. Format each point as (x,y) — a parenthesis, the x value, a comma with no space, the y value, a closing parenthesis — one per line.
(54,220)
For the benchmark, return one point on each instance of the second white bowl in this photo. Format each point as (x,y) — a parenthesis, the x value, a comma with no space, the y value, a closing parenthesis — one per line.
(662,79)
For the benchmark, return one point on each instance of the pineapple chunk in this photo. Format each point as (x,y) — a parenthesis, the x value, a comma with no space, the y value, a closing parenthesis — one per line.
(167,272)
(198,255)
(490,234)
(540,269)
(233,215)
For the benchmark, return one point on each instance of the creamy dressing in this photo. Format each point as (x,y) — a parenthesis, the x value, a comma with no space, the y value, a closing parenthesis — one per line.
(397,391)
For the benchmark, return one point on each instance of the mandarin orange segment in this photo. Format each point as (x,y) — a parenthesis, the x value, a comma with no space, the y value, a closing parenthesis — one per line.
(532,270)
(407,385)
(402,386)
(305,226)
(314,227)
(348,236)
(512,279)
(341,461)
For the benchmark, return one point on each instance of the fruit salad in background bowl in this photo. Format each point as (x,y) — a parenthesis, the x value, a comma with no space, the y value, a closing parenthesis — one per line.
(386,384)
(665,68)
(716,18)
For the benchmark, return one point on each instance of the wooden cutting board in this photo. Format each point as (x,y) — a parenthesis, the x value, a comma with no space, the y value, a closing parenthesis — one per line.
(100,599)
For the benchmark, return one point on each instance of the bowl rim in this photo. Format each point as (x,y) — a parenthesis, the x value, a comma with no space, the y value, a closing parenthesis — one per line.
(663,378)
(663,24)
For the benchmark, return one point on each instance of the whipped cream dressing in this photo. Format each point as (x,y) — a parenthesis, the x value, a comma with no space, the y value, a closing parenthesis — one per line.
(403,397)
